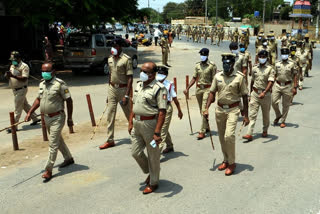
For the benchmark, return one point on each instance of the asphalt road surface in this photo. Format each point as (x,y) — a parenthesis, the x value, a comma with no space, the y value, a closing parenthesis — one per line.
(279,174)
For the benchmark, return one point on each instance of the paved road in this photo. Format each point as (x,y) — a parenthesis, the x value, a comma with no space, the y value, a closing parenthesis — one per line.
(279,174)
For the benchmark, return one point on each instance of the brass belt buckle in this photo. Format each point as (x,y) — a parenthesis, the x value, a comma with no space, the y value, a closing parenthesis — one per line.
(282,84)
(260,91)
(138,117)
(201,86)
(225,106)
(116,85)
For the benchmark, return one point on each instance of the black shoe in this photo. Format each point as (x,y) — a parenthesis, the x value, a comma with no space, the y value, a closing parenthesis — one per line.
(167,150)
(168,65)
(66,163)
(35,122)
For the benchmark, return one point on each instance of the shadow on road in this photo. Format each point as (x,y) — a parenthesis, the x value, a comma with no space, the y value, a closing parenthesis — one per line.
(168,187)
(271,138)
(242,167)
(172,155)
(123,141)
(297,103)
(72,168)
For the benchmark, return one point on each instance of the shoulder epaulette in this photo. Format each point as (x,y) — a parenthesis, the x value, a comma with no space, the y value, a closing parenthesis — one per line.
(238,72)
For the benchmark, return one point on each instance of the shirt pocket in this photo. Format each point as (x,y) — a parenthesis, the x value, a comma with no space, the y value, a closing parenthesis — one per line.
(53,93)
(121,68)
(40,93)
(150,99)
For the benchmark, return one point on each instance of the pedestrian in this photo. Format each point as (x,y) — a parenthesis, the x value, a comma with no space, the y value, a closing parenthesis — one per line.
(48,49)
(18,82)
(203,75)
(165,49)
(145,124)
(120,85)
(53,93)
(127,39)
(170,37)
(230,86)
(172,96)
(157,34)
(285,86)
(263,77)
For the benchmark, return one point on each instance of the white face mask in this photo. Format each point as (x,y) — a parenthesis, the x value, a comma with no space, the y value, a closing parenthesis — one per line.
(203,58)
(235,51)
(262,60)
(265,43)
(284,57)
(143,76)
(259,37)
(160,77)
(272,38)
(114,51)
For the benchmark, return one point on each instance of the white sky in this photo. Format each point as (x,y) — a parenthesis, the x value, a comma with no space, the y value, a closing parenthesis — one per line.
(159,4)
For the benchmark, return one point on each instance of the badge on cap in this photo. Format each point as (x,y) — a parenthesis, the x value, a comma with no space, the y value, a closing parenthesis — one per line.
(164,97)
(66,91)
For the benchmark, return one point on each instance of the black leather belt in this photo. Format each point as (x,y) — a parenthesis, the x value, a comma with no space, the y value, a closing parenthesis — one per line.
(17,89)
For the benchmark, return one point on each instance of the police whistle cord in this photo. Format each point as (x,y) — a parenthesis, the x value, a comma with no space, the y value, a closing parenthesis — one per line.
(210,133)
(189,115)
(16,124)
(96,127)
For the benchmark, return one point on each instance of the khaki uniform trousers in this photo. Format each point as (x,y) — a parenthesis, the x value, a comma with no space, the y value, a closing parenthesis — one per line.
(255,103)
(21,103)
(141,136)
(115,95)
(226,123)
(286,93)
(54,126)
(273,58)
(202,96)
(165,53)
(304,70)
(165,135)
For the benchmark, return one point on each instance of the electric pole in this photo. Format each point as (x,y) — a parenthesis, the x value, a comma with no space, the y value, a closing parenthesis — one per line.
(264,11)
(318,13)
(206,11)
(217,12)
(148,3)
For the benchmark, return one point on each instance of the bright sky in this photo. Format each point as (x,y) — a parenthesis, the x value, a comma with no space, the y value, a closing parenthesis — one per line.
(159,4)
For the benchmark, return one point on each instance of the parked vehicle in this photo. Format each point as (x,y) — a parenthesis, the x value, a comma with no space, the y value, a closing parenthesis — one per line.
(109,28)
(118,27)
(90,51)
(142,29)
(130,28)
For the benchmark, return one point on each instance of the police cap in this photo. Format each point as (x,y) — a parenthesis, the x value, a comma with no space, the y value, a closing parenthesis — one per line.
(163,70)
(263,53)
(228,57)
(285,50)
(204,52)
(14,55)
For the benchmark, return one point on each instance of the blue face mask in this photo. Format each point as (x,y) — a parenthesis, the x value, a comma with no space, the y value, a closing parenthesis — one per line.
(242,50)
(46,75)
(15,63)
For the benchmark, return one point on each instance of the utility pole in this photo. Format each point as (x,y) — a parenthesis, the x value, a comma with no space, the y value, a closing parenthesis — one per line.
(217,12)
(148,3)
(264,11)
(318,14)
(206,11)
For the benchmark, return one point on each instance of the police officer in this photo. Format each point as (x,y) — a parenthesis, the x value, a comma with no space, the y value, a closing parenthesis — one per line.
(220,35)
(305,61)
(309,48)
(171,96)
(18,81)
(248,58)
(285,86)
(230,86)
(293,57)
(241,63)
(145,124)
(120,85)
(263,77)
(53,92)
(284,42)
(205,35)
(213,36)
(164,43)
(189,33)
(236,35)
(273,48)
(259,39)
(203,76)
(264,47)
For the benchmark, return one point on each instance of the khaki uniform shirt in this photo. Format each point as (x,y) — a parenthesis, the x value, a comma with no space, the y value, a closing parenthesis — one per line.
(22,69)
(148,100)
(52,95)
(261,75)
(273,47)
(285,71)
(164,43)
(120,69)
(230,88)
(296,60)
(248,56)
(303,56)
(241,62)
(260,48)
(205,72)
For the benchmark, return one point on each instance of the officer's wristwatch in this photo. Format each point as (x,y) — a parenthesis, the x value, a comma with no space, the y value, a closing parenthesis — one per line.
(126,96)
(157,134)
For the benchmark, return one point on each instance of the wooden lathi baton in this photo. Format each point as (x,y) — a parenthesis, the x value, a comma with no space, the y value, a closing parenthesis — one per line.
(210,133)
(189,115)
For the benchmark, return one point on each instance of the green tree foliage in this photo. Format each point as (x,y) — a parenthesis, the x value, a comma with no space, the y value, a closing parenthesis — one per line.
(78,12)
(152,15)
(173,11)
(195,7)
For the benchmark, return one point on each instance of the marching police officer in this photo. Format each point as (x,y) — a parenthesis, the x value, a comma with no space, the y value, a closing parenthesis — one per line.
(230,86)
(145,124)
(285,86)
(263,77)
(266,48)
(120,85)
(273,48)
(53,92)
(171,96)
(203,76)
(241,63)
(18,81)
